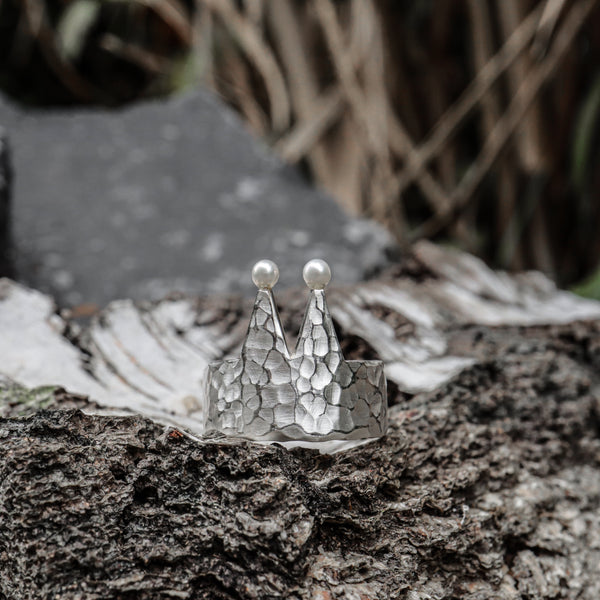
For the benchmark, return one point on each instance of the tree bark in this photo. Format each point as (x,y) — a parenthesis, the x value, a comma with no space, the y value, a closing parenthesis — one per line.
(486,486)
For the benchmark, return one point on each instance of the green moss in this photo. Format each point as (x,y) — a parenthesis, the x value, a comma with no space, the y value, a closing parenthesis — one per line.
(590,287)
(16,400)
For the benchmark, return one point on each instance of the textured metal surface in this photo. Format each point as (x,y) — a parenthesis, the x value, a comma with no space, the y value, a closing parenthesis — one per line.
(311,394)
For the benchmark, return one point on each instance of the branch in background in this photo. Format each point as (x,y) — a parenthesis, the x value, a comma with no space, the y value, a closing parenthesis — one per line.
(174,15)
(313,114)
(491,105)
(402,144)
(35,14)
(202,46)
(261,56)
(303,138)
(255,10)
(511,119)
(485,78)
(372,111)
(529,138)
(389,126)
(234,77)
(374,143)
(153,63)
(548,22)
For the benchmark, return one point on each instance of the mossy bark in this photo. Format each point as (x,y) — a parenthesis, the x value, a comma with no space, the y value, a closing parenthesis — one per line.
(487,487)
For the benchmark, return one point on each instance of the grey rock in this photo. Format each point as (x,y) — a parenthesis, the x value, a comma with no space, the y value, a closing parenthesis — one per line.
(5,185)
(164,196)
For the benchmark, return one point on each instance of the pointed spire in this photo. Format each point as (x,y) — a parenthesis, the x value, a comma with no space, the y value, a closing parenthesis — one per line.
(318,354)
(265,332)
(317,337)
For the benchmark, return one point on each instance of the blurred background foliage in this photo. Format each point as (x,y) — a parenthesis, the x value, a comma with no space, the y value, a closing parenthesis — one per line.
(473,122)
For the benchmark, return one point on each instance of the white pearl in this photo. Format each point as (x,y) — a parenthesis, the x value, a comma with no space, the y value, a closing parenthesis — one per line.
(265,274)
(317,274)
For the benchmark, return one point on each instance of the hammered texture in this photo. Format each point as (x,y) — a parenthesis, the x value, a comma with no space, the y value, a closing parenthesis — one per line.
(312,394)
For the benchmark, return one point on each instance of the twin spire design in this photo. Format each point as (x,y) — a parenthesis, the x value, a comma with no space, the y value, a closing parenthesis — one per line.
(312,393)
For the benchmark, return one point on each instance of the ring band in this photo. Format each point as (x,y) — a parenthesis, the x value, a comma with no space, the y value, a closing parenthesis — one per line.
(312,394)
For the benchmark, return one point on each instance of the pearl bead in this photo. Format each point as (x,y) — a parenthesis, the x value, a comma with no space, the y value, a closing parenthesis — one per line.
(265,274)
(317,274)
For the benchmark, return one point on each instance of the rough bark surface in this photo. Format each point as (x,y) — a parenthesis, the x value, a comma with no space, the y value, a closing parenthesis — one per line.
(486,487)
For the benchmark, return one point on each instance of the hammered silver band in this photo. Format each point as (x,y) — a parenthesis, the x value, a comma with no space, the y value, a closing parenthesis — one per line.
(310,394)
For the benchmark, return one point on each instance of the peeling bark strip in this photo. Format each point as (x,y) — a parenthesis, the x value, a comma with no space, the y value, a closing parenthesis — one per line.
(151,359)
(486,487)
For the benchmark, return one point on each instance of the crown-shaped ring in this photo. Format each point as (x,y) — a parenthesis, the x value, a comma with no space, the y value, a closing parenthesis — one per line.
(310,394)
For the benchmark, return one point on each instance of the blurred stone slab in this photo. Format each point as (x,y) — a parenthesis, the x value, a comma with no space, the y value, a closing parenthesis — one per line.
(164,196)
(5,180)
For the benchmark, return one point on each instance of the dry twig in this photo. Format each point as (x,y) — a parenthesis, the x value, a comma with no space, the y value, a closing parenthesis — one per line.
(35,14)
(511,119)
(262,57)
(305,136)
(484,79)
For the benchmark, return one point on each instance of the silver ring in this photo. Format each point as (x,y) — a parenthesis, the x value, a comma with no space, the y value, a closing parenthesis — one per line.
(310,394)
